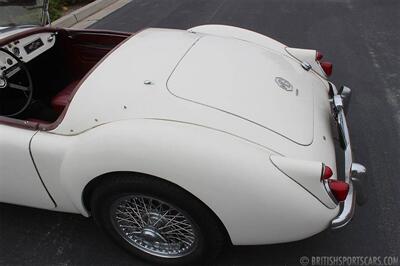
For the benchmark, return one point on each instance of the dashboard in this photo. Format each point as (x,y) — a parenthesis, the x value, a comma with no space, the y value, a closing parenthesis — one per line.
(27,48)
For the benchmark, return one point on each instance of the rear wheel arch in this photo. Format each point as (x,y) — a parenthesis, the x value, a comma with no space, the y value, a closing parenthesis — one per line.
(99,181)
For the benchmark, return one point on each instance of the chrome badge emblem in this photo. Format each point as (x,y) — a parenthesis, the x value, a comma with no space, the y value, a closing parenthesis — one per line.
(284,84)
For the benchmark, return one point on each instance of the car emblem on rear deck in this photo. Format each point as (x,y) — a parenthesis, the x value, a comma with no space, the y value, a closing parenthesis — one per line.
(284,84)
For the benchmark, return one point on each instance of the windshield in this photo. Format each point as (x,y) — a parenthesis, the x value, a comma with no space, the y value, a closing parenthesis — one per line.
(20,12)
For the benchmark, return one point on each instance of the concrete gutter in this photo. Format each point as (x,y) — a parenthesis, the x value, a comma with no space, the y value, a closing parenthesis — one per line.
(89,14)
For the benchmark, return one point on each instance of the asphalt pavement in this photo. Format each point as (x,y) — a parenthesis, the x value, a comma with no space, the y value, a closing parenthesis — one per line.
(360,37)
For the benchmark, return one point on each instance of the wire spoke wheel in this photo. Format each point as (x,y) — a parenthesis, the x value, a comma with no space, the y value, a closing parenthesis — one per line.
(154,226)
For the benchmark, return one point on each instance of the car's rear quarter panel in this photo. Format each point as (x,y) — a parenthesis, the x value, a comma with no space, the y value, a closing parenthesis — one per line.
(234,177)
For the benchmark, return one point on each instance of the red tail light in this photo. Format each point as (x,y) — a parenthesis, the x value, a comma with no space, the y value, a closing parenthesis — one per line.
(339,189)
(326,172)
(319,56)
(327,67)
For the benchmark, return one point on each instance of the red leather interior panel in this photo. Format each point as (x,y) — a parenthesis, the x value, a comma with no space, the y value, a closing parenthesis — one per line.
(63,97)
(87,48)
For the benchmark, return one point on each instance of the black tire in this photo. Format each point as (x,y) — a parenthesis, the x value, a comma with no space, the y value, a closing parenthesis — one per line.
(210,235)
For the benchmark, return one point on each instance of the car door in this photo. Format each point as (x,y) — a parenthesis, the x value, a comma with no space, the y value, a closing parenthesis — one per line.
(20,183)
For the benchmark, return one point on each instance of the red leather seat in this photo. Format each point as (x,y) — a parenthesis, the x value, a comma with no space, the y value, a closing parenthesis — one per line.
(63,97)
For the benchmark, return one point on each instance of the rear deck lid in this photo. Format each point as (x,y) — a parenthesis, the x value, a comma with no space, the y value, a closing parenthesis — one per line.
(248,81)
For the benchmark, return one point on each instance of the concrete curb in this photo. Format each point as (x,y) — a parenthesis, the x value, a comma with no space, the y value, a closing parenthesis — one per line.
(89,21)
(82,13)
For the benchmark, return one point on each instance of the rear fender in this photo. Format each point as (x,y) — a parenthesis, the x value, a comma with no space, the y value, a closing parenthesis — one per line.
(307,174)
(255,201)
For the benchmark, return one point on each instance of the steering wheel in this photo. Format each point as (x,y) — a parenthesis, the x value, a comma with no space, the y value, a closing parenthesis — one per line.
(7,84)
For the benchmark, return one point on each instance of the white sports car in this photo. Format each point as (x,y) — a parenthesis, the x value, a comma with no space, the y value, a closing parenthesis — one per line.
(177,142)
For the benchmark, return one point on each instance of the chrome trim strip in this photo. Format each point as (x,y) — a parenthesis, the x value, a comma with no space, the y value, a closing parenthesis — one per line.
(305,65)
(329,191)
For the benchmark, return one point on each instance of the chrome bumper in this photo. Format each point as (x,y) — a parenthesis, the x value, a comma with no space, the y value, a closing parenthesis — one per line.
(354,173)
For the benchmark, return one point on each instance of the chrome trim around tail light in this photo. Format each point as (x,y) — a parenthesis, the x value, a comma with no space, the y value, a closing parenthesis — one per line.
(347,209)
(329,191)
